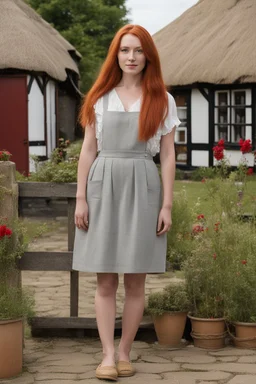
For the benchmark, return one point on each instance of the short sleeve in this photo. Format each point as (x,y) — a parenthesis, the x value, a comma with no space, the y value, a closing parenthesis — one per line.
(171,119)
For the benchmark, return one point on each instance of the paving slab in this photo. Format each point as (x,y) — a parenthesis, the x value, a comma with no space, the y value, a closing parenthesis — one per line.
(156,368)
(247,359)
(233,352)
(228,367)
(243,379)
(209,376)
(195,359)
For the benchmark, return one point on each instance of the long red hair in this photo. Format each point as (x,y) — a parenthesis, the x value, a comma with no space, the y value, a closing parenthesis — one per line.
(154,106)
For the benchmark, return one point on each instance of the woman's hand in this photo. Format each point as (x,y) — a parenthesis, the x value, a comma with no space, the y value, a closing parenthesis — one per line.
(164,221)
(81,214)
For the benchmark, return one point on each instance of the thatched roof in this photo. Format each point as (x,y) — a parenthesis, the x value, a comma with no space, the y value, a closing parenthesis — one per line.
(212,42)
(30,43)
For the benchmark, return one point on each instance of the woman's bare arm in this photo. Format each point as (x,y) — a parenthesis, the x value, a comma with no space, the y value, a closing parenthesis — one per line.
(87,157)
(167,160)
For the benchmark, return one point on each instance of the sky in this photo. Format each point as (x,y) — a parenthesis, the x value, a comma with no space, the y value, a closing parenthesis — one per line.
(156,14)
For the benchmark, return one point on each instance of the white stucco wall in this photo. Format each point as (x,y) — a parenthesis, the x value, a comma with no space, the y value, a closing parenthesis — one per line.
(199,158)
(234,157)
(199,118)
(35,121)
(50,116)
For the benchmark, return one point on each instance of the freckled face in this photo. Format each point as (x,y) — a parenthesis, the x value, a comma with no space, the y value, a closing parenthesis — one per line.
(131,58)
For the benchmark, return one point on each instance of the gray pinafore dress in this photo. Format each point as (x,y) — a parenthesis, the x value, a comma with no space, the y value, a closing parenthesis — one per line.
(124,199)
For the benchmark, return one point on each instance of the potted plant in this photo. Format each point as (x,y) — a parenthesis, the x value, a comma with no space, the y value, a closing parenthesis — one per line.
(16,304)
(169,309)
(241,303)
(222,243)
(204,279)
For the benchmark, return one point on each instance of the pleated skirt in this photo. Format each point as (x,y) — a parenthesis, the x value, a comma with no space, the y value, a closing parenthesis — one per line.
(124,199)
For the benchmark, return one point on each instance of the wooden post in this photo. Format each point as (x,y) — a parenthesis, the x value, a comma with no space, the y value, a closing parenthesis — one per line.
(74,277)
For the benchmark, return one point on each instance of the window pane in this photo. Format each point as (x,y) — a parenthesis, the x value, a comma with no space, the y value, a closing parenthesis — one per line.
(223,115)
(222,98)
(238,115)
(181,153)
(239,98)
(222,132)
(238,132)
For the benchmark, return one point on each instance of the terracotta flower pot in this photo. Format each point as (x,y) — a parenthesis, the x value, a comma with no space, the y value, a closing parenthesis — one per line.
(11,345)
(208,333)
(169,328)
(245,335)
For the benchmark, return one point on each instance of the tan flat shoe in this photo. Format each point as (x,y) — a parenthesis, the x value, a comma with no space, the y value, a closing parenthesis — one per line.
(125,369)
(107,373)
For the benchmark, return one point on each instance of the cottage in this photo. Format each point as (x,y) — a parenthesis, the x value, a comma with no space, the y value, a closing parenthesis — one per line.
(38,84)
(208,60)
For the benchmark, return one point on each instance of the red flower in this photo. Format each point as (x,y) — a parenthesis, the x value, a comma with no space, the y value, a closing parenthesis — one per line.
(203,180)
(245,146)
(199,217)
(249,171)
(221,143)
(2,230)
(8,232)
(214,256)
(218,152)
(198,229)
(216,226)
(244,262)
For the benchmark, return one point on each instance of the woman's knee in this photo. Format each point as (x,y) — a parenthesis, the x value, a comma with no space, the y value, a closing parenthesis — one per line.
(107,283)
(134,284)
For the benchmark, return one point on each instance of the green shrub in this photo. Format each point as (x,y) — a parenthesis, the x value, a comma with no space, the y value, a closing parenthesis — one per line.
(203,173)
(63,172)
(16,303)
(74,149)
(173,298)
(179,174)
(179,240)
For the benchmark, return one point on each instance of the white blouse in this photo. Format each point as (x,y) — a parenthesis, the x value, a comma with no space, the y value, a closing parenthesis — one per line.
(115,104)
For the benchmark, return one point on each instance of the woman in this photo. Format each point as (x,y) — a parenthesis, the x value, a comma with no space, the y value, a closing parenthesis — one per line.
(121,216)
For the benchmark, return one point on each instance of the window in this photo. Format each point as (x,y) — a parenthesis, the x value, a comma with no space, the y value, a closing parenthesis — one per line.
(181,131)
(233,115)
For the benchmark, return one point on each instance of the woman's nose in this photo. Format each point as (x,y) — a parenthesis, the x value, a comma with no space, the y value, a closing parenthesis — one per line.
(131,56)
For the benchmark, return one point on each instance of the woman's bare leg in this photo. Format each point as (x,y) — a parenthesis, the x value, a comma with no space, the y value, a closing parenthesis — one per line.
(134,284)
(105,307)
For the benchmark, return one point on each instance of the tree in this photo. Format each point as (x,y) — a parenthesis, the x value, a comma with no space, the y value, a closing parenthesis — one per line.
(89,25)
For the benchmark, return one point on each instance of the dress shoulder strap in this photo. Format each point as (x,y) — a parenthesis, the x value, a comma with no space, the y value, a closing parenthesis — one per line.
(105,102)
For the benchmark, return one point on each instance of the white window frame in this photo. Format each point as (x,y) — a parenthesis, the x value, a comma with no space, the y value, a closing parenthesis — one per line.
(231,115)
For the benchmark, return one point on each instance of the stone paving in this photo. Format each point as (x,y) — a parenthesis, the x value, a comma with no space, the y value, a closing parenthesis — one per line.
(70,361)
